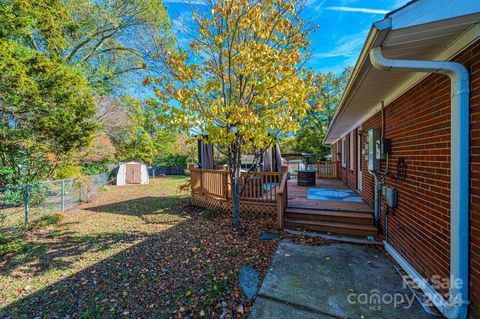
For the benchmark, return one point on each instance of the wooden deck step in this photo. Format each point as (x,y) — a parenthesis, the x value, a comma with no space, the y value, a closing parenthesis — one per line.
(353,210)
(364,218)
(331,227)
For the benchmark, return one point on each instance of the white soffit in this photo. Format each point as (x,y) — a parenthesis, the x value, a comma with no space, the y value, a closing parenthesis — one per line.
(439,40)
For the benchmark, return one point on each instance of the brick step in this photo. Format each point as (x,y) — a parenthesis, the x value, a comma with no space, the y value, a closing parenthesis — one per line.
(331,227)
(330,216)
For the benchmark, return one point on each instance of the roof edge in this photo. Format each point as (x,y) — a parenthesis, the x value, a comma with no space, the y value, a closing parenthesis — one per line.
(372,38)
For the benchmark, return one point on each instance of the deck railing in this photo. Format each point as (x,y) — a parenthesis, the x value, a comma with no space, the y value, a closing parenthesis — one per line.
(282,200)
(327,169)
(256,186)
(265,190)
(210,182)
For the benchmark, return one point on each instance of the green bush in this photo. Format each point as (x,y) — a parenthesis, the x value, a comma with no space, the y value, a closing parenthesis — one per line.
(11,245)
(94,169)
(68,171)
(210,214)
(172,160)
(44,221)
(13,197)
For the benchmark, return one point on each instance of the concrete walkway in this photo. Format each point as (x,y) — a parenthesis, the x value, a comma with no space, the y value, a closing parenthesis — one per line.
(334,281)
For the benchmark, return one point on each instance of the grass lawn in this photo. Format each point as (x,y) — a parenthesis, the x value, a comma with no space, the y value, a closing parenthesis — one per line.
(138,251)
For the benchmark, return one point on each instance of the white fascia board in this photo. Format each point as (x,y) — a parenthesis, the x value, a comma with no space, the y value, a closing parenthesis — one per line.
(457,46)
(427,11)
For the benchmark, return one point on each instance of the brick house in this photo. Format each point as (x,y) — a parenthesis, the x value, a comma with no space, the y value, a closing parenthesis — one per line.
(430,115)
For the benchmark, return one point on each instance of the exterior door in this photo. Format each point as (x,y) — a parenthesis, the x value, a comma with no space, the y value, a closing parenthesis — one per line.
(359,161)
(133,172)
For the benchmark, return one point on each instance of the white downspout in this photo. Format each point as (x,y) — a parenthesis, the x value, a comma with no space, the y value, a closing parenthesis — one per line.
(457,305)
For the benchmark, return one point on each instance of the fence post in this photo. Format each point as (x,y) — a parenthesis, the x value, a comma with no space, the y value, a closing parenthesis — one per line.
(63,195)
(27,197)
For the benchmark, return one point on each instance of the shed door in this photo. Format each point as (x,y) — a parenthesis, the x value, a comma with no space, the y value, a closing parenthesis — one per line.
(133,174)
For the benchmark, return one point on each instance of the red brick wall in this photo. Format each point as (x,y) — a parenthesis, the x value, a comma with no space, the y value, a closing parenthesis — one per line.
(348,174)
(334,153)
(351,171)
(418,123)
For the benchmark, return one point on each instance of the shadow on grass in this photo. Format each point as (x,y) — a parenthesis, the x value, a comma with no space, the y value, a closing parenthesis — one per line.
(108,289)
(143,206)
(58,250)
(150,279)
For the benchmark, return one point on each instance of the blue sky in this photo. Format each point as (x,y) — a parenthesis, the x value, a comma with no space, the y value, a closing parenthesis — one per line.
(343,27)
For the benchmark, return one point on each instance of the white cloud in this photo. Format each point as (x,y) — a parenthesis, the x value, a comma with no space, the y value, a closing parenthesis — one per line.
(348,46)
(181,26)
(354,9)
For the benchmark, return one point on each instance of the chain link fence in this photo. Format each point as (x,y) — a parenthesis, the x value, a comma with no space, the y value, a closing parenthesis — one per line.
(21,205)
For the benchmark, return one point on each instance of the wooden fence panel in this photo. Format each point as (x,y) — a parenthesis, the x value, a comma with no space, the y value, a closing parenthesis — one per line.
(327,169)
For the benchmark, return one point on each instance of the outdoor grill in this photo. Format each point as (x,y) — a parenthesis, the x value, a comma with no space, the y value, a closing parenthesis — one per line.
(306,177)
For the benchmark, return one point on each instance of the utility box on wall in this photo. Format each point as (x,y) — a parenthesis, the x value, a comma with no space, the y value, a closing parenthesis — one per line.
(373,160)
(391,197)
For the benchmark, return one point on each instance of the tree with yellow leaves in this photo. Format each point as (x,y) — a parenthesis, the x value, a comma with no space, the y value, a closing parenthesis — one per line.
(241,80)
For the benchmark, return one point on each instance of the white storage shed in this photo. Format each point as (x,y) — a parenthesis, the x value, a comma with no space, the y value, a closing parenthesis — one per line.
(132,173)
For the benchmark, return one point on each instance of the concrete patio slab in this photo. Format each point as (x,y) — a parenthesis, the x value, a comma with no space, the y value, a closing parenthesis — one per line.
(334,281)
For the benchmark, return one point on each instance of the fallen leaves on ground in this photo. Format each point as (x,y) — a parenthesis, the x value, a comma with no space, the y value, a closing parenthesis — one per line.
(139,253)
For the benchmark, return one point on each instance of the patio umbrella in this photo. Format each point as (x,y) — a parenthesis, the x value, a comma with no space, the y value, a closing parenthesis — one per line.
(268,160)
(205,155)
(278,157)
(272,159)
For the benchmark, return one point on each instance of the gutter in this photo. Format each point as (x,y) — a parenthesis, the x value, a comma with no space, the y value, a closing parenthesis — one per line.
(457,305)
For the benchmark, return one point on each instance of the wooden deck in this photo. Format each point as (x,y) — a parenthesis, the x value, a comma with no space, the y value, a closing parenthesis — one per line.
(346,218)
(272,195)
(297,197)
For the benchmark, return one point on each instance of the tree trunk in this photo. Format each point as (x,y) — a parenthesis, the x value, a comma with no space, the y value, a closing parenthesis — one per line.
(235,180)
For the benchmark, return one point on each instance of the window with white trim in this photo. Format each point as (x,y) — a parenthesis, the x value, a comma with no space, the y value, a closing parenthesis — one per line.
(344,152)
(351,151)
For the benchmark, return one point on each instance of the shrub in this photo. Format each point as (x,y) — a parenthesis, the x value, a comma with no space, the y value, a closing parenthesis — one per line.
(44,221)
(210,214)
(94,169)
(13,197)
(11,245)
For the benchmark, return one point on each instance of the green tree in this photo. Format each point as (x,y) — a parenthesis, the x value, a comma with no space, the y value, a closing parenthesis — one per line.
(46,113)
(330,88)
(241,80)
(111,41)
(56,55)
(115,39)
(142,138)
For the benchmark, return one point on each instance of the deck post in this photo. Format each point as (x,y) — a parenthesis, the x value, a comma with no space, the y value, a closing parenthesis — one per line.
(225,184)
(280,219)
